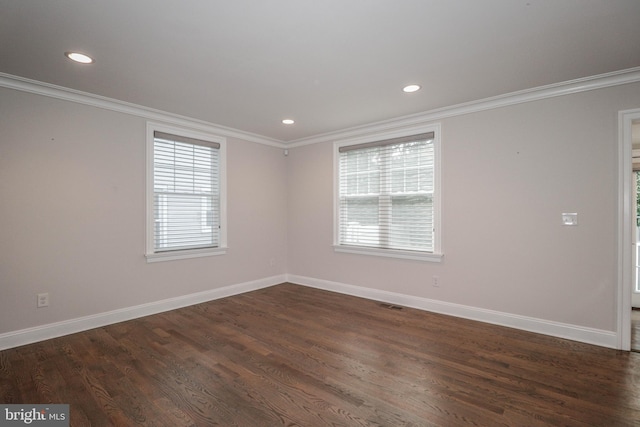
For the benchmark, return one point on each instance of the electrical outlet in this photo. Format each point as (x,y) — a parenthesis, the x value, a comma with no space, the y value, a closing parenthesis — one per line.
(570,219)
(436,282)
(43,300)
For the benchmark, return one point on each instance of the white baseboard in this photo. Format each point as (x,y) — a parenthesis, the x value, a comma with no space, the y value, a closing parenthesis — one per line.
(556,329)
(561,330)
(58,329)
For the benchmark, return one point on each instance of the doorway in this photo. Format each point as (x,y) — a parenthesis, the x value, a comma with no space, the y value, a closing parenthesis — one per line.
(627,227)
(635,292)
(635,283)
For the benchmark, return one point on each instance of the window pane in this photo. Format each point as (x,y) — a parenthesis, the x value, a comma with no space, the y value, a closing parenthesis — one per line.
(397,181)
(186,186)
(360,172)
(359,221)
(386,195)
(412,177)
(411,222)
(374,182)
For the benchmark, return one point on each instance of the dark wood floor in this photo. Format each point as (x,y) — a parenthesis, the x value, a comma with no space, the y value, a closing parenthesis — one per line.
(635,329)
(295,356)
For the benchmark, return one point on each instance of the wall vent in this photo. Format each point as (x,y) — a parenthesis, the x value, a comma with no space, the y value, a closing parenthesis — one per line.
(391,306)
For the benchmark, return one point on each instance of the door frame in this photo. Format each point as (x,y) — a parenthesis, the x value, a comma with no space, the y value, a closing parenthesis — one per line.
(635,297)
(626,262)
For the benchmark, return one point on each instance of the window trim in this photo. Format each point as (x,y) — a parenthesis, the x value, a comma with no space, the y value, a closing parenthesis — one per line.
(437,254)
(150,253)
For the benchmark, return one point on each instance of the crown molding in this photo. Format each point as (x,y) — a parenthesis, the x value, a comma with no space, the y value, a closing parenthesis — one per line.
(59,92)
(631,75)
(616,78)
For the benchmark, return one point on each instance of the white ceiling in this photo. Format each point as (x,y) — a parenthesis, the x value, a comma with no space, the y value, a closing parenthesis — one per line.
(328,64)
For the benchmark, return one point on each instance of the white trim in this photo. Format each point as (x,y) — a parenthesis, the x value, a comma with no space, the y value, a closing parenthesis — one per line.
(190,253)
(46,89)
(437,188)
(625,228)
(54,330)
(185,254)
(545,327)
(390,253)
(630,75)
(531,324)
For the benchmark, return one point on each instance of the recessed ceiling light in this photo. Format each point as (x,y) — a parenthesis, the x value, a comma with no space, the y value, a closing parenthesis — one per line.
(411,88)
(288,121)
(79,57)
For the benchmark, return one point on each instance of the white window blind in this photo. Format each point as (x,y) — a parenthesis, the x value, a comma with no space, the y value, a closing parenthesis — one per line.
(186,186)
(386,194)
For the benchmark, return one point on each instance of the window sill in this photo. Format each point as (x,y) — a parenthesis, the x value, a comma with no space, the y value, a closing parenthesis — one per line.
(184,254)
(390,253)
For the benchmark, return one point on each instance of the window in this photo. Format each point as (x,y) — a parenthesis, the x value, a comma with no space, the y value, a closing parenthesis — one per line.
(185,195)
(387,199)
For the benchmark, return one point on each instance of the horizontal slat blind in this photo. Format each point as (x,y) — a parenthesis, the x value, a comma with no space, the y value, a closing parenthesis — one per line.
(635,158)
(186,193)
(386,194)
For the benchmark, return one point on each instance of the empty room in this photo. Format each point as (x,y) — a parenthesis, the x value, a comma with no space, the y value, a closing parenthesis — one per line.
(319,213)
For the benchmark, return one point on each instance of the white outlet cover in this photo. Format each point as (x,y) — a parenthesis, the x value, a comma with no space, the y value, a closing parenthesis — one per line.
(570,218)
(43,300)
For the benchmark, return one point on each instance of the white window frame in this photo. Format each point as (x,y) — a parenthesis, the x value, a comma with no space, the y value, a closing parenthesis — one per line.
(150,253)
(436,255)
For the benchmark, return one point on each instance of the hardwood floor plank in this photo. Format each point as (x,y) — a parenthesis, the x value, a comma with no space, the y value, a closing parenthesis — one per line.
(8,390)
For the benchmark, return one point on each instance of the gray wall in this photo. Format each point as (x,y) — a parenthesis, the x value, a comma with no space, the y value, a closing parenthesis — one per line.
(507,176)
(72,215)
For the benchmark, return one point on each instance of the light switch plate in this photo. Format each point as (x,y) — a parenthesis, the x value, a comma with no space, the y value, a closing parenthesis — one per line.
(570,218)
